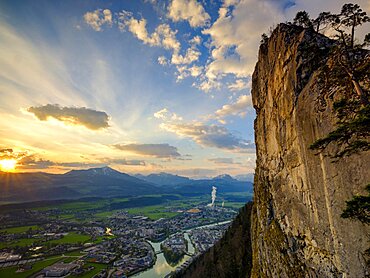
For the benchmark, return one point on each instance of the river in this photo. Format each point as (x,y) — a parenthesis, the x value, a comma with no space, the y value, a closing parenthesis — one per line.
(161,268)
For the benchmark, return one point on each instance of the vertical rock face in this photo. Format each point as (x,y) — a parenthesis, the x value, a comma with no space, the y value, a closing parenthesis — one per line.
(297,230)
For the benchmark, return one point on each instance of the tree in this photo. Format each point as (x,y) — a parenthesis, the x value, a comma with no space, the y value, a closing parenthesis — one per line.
(264,38)
(352,16)
(324,18)
(358,208)
(351,135)
(302,18)
(366,40)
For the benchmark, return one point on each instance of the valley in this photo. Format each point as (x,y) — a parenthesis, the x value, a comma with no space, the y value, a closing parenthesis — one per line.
(106,236)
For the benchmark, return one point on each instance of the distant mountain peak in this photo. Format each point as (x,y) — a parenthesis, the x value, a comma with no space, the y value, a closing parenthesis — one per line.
(163,178)
(225,177)
(98,171)
(106,170)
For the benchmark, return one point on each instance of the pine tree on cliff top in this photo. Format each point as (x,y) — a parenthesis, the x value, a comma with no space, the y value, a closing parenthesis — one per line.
(349,72)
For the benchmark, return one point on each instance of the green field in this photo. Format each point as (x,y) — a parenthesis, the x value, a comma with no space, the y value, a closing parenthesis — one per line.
(91,273)
(11,271)
(153,212)
(21,242)
(105,214)
(71,238)
(18,230)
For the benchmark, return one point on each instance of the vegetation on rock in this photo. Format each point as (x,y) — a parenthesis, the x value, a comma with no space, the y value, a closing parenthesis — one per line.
(349,72)
(358,208)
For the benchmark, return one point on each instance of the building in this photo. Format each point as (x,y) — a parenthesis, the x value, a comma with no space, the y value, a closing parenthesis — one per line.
(59,269)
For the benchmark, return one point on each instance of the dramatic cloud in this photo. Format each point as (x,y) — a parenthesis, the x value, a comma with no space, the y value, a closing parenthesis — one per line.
(164,36)
(236,34)
(98,18)
(89,118)
(189,10)
(210,136)
(34,162)
(223,160)
(156,150)
(7,154)
(233,35)
(27,160)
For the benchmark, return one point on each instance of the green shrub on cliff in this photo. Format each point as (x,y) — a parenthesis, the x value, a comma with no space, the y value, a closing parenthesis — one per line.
(351,135)
(358,208)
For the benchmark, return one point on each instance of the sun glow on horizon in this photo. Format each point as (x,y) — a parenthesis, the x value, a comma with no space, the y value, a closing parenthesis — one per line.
(8,165)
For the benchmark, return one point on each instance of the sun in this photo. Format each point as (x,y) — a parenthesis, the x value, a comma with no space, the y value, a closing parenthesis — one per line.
(8,165)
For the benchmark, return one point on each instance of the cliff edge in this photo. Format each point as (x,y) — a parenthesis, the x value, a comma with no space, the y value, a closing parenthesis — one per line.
(299,195)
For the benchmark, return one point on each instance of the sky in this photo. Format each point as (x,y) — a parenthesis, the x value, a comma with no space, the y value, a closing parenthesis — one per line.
(142,86)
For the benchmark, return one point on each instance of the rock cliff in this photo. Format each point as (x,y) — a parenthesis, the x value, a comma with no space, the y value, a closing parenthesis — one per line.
(299,195)
(297,230)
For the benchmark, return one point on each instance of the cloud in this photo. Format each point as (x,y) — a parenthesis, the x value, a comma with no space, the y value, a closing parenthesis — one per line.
(239,85)
(163,35)
(156,150)
(33,162)
(166,115)
(89,118)
(27,160)
(210,136)
(191,55)
(188,10)
(235,36)
(223,160)
(162,60)
(8,153)
(98,18)
(195,70)
(238,108)
(123,161)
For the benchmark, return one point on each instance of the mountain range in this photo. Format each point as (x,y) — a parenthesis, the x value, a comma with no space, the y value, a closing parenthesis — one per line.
(106,182)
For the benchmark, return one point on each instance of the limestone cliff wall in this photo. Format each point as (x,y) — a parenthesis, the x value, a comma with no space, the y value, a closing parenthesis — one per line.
(297,230)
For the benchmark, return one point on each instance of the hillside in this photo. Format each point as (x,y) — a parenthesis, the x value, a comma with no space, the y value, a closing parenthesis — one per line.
(299,194)
(107,182)
(99,182)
